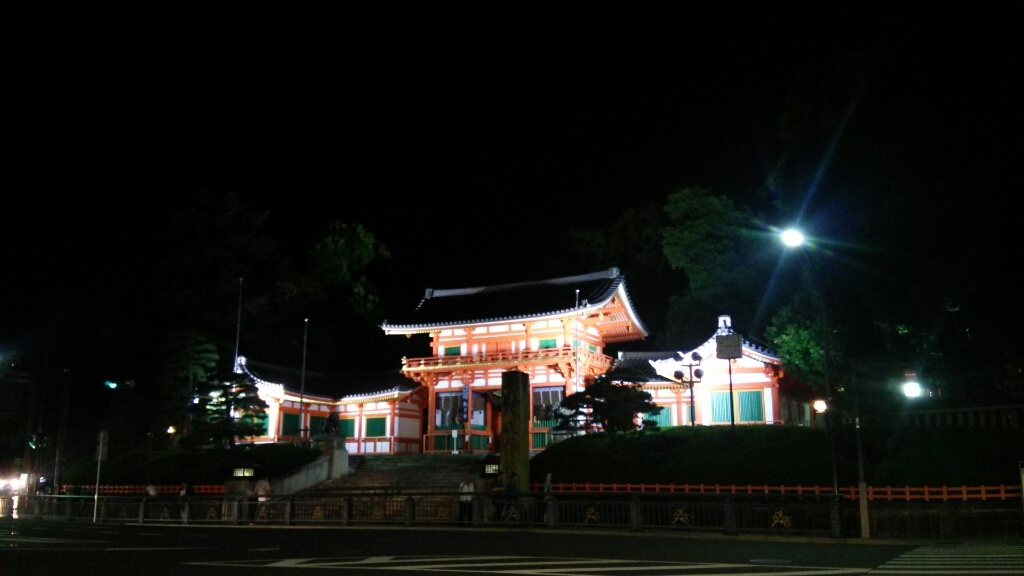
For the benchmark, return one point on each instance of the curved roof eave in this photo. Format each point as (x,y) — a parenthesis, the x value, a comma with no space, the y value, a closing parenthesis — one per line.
(590,307)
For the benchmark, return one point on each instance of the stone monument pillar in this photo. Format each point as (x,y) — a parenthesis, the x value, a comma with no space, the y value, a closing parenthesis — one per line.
(515,428)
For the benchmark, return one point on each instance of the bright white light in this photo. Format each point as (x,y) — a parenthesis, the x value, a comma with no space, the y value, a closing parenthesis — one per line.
(171,430)
(820,406)
(792,237)
(912,390)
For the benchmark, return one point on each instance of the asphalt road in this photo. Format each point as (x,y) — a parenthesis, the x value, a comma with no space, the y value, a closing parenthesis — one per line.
(50,547)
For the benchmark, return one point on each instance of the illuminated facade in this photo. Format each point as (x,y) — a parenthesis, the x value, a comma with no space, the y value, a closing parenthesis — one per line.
(554,330)
(755,398)
(377,413)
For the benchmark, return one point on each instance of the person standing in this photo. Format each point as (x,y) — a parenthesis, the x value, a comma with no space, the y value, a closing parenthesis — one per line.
(263,489)
(547,484)
(466,490)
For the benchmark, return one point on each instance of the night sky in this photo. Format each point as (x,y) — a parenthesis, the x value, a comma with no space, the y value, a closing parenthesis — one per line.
(470,137)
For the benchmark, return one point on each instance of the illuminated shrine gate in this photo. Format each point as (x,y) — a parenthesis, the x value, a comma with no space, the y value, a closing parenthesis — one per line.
(554,330)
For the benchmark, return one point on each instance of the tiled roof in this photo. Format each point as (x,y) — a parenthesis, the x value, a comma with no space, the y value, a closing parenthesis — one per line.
(515,302)
(335,387)
(641,362)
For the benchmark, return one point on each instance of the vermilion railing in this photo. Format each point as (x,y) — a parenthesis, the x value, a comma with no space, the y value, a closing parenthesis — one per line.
(167,490)
(565,354)
(888,493)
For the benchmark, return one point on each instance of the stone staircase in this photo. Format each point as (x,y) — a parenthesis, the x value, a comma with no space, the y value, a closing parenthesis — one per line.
(405,473)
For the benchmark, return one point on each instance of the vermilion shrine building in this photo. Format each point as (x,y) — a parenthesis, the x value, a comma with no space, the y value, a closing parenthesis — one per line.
(554,330)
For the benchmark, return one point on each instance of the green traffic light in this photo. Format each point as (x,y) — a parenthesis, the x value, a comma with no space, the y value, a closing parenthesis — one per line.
(110,384)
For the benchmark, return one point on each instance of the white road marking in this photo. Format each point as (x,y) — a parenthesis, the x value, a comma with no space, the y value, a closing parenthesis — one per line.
(530,566)
(263,549)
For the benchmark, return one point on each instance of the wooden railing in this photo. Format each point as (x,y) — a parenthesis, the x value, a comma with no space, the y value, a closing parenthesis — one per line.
(382,445)
(552,355)
(888,493)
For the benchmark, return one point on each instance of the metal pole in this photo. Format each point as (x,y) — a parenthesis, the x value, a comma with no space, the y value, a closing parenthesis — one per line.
(61,431)
(732,415)
(302,385)
(693,405)
(577,346)
(862,487)
(238,329)
(96,493)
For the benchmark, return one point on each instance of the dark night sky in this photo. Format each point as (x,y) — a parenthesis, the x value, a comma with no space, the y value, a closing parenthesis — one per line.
(432,126)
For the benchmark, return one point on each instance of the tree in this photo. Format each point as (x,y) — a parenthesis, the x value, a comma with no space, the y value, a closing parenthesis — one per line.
(720,250)
(191,363)
(612,402)
(225,409)
(796,334)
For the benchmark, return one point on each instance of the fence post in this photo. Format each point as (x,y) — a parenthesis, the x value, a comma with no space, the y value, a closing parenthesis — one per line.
(142,511)
(834,519)
(549,511)
(410,510)
(184,513)
(234,511)
(70,502)
(346,511)
(288,512)
(729,517)
(475,512)
(634,515)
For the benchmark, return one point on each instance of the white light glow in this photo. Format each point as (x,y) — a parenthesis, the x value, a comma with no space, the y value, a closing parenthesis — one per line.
(912,390)
(792,237)
(820,406)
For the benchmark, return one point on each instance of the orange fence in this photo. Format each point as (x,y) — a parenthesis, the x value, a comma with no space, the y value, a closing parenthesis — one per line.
(167,490)
(888,493)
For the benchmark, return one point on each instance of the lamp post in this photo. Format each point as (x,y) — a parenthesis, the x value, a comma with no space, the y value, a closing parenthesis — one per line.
(693,375)
(793,238)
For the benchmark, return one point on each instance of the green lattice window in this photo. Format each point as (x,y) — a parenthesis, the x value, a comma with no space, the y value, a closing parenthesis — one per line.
(540,439)
(751,406)
(290,425)
(376,427)
(347,427)
(316,425)
(548,343)
(453,350)
(663,418)
(721,410)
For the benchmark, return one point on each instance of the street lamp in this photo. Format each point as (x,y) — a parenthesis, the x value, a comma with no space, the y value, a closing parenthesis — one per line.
(911,387)
(695,374)
(793,238)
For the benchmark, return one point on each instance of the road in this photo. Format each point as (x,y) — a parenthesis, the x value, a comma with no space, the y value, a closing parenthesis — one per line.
(30,547)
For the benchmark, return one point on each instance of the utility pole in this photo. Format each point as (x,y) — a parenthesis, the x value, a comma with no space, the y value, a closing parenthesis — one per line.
(61,431)
(302,385)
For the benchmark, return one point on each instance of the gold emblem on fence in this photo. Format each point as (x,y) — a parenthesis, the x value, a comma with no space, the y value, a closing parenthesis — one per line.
(681,516)
(592,514)
(212,514)
(512,513)
(780,518)
(442,513)
(318,513)
(165,515)
(261,512)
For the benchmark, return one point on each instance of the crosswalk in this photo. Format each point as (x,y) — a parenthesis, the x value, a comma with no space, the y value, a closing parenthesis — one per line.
(961,558)
(534,566)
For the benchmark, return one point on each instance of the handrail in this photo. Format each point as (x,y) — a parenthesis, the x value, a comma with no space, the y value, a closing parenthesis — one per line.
(888,493)
(566,353)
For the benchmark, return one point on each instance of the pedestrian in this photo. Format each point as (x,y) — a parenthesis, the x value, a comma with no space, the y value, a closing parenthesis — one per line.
(497,487)
(151,491)
(183,495)
(547,484)
(263,489)
(466,490)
